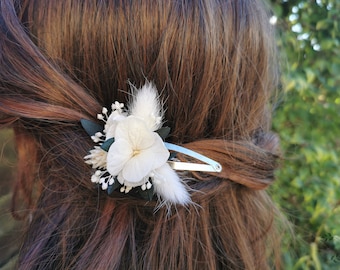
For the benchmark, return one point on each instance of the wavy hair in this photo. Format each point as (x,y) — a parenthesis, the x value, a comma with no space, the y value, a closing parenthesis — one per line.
(215,65)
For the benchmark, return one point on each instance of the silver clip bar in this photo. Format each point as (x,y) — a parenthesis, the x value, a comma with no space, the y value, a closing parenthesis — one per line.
(210,166)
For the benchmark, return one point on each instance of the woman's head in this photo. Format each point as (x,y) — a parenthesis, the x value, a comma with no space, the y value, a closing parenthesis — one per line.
(214,65)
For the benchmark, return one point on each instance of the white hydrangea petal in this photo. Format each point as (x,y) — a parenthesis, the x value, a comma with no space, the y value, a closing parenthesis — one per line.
(136,169)
(111,124)
(136,132)
(119,153)
(159,152)
(120,178)
(145,161)
(123,181)
(169,186)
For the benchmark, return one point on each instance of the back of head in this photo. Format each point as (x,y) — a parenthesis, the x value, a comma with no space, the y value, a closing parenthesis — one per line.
(214,65)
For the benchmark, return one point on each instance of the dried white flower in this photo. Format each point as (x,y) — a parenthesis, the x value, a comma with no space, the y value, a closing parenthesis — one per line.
(131,152)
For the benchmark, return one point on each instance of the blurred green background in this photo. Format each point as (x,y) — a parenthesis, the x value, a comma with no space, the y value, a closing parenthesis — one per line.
(308,121)
(9,227)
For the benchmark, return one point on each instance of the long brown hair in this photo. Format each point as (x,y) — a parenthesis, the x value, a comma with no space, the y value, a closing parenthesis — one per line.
(214,64)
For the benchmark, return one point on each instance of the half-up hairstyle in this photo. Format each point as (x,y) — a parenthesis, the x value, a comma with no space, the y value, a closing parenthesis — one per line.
(215,67)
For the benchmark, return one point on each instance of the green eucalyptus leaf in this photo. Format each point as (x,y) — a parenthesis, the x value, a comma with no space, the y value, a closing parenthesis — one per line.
(150,193)
(163,132)
(146,194)
(90,127)
(113,187)
(106,145)
(172,155)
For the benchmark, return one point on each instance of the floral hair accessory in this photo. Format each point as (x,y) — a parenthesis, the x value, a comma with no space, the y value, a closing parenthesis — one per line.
(131,155)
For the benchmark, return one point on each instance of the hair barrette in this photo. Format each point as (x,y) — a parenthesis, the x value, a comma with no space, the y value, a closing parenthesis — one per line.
(131,154)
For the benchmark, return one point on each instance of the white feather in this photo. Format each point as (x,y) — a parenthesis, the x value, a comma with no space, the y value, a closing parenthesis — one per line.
(146,105)
(169,186)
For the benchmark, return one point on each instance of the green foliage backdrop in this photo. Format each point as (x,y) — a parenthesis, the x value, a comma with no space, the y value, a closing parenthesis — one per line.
(308,122)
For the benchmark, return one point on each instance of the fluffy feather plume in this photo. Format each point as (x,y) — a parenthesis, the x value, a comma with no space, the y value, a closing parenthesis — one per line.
(146,105)
(169,186)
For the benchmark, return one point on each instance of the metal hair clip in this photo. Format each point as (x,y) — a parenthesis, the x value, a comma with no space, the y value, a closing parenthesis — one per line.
(210,166)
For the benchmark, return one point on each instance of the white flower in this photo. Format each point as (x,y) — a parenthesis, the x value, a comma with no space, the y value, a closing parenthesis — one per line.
(129,150)
(111,124)
(136,152)
(116,115)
